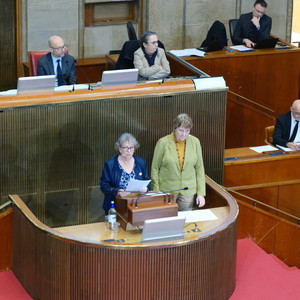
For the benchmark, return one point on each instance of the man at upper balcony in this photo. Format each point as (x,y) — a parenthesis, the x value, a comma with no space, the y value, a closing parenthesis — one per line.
(253,26)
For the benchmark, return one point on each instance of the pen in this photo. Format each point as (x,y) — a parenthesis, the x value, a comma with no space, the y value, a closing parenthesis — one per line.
(228,49)
(277,153)
(230,158)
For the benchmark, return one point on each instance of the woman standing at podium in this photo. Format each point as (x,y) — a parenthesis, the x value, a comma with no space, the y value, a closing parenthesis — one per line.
(177,163)
(119,169)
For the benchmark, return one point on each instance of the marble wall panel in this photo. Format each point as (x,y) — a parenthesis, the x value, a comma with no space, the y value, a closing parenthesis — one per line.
(179,23)
(46,18)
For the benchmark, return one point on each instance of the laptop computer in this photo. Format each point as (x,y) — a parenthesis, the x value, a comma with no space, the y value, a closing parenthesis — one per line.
(163,229)
(266,43)
(119,77)
(36,84)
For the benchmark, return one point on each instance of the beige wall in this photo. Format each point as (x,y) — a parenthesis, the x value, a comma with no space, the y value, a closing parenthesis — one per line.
(296,16)
(179,23)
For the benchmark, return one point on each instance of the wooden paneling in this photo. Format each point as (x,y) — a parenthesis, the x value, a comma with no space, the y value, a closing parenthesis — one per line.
(270,232)
(268,77)
(277,80)
(288,199)
(8,45)
(245,122)
(260,168)
(51,264)
(54,146)
(6,222)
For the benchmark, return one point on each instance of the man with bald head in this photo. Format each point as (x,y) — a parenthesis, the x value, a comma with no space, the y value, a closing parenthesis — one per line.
(287,131)
(58,62)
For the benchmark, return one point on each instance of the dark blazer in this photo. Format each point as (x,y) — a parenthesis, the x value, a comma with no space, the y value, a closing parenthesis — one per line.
(111,174)
(244,25)
(45,67)
(282,130)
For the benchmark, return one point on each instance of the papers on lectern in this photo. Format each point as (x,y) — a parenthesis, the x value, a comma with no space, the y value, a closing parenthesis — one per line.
(209,83)
(137,185)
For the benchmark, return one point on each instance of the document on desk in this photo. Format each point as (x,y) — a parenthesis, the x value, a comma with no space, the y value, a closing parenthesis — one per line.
(9,93)
(66,88)
(209,83)
(198,215)
(137,185)
(265,148)
(241,48)
(188,52)
(285,149)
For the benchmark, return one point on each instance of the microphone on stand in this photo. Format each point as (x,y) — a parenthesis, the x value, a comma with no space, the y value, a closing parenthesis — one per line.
(84,75)
(158,193)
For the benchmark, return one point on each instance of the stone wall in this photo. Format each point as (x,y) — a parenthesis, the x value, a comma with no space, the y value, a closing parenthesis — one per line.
(179,23)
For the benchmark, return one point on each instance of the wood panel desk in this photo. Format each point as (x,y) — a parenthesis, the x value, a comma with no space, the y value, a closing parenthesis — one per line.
(62,139)
(66,263)
(269,77)
(249,167)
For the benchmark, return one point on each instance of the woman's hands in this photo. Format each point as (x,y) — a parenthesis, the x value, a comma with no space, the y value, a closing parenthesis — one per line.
(200,201)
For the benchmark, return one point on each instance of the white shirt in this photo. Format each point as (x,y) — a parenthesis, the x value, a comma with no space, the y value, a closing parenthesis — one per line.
(293,124)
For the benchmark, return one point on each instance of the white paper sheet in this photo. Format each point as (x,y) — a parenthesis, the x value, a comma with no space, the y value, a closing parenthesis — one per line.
(65,88)
(188,52)
(241,48)
(209,83)
(285,149)
(261,149)
(137,185)
(198,215)
(9,93)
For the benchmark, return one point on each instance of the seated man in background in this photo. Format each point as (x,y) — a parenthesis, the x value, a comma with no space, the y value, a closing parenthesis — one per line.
(58,62)
(254,26)
(150,59)
(287,132)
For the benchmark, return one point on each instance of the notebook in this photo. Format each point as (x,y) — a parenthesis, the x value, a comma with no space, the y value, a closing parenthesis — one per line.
(162,229)
(119,77)
(266,43)
(36,84)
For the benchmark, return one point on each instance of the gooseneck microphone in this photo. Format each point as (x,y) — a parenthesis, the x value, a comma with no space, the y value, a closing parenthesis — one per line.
(84,75)
(158,193)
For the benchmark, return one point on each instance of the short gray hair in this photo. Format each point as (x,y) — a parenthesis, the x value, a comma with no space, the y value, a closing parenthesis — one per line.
(145,36)
(183,120)
(126,137)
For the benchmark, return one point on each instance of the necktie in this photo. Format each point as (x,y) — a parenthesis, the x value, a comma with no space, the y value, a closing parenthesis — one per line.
(292,138)
(59,74)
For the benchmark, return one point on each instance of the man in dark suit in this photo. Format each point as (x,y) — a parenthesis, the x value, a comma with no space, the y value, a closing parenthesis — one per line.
(287,131)
(254,26)
(58,62)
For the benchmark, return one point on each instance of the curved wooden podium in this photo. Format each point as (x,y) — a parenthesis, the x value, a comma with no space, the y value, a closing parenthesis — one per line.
(91,262)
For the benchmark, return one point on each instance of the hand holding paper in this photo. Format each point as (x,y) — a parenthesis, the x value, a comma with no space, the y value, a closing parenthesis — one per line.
(137,185)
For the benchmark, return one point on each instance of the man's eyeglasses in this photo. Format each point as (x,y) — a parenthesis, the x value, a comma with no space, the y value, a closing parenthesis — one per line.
(128,148)
(64,47)
(296,113)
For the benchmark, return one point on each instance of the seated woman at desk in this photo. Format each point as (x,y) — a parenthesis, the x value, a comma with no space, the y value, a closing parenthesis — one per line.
(119,169)
(150,59)
(178,165)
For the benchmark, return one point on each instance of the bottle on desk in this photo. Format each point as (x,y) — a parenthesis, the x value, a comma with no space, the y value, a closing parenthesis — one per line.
(112,215)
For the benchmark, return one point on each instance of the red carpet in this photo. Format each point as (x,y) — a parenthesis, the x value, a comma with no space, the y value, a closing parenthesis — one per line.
(10,288)
(259,276)
(263,276)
